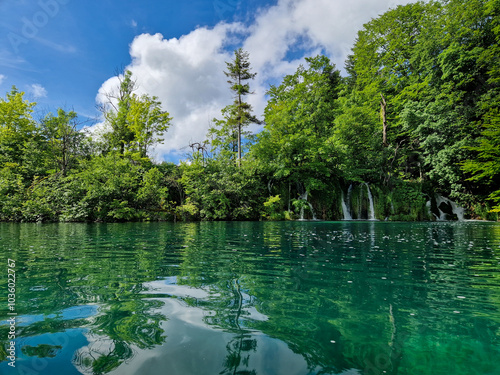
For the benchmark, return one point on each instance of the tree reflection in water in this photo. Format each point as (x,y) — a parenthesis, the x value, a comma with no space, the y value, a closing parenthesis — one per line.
(242,342)
(346,298)
(115,332)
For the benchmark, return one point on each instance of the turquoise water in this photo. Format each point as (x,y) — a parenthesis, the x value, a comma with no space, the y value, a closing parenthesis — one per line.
(253,298)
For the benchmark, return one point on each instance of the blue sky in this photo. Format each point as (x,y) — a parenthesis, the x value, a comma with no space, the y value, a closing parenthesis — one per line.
(65,53)
(71,47)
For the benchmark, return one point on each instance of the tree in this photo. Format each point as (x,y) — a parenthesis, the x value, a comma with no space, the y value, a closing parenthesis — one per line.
(136,122)
(356,141)
(17,127)
(217,189)
(147,122)
(455,54)
(239,114)
(63,138)
(486,166)
(384,74)
(298,120)
(116,112)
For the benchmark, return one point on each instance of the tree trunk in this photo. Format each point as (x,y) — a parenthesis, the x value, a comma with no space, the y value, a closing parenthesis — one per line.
(239,144)
(383,112)
(239,124)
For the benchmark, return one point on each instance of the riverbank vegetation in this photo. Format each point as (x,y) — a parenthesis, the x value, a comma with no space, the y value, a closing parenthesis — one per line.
(415,119)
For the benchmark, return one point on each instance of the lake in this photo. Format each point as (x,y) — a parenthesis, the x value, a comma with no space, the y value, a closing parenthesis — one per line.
(253,298)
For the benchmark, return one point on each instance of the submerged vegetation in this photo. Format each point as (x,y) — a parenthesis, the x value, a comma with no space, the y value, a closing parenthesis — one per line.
(416,119)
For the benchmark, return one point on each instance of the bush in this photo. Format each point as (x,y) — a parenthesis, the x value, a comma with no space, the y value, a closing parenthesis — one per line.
(273,208)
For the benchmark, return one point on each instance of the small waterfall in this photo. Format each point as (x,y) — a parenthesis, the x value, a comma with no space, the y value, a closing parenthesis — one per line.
(455,209)
(371,212)
(345,209)
(428,205)
(360,196)
(304,197)
(442,215)
(348,203)
(312,211)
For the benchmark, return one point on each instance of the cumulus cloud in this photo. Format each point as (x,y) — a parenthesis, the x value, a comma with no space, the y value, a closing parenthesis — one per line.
(186,74)
(328,25)
(2,78)
(38,91)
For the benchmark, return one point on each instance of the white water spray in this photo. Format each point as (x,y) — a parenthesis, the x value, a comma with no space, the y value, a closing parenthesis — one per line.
(304,197)
(456,209)
(345,209)
(371,212)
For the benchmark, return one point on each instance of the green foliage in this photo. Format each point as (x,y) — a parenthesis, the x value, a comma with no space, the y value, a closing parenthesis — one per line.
(17,126)
(273,208)
(136,122)
(298,120)
(418,108)
(486,166)
(227,133)
(300,205)
(11,192)
(356,140)
(188,211)
(408,200)
(64,141)
(222,191)
(147,122)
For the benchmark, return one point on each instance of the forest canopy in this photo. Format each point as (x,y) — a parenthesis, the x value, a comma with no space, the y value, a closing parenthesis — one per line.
(414,121)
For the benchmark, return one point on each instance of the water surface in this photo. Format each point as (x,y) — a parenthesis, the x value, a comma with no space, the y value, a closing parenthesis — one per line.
(254,298)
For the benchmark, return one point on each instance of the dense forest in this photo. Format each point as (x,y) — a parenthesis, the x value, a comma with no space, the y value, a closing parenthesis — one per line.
(411,132)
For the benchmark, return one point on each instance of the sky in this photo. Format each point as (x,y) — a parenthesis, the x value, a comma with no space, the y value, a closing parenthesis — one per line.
(67,53)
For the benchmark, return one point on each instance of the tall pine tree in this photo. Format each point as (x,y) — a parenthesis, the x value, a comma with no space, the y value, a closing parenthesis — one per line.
(239,114)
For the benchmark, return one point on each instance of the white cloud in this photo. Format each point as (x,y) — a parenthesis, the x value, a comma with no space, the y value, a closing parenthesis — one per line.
(187,76)
(187,73)
(2,78)
(330,25)
(133,23)
(38,91)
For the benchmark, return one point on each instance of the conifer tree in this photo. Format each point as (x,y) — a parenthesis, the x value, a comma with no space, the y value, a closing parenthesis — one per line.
(239,114)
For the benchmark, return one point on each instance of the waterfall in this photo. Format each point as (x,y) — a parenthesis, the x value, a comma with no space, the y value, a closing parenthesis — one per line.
(345,208)
(442,215)
(428,205)
(312,211)
(304,197)
(456,209)
(360,199)
(348,203)
(371,212)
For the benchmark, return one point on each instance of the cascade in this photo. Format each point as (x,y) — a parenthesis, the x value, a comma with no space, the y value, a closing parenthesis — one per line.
(428,208)
(371,212)
(360,196)
(442,215)
(456,209)
(345,210)
(304,197)
(348,203)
